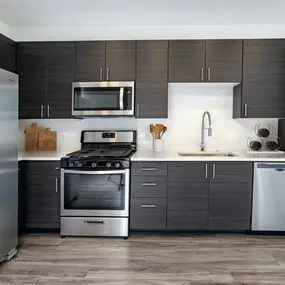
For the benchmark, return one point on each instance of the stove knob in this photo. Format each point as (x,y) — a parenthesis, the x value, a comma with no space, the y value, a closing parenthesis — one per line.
(117,164)
(79,164)
(94,164)
(71,164)
(108,164)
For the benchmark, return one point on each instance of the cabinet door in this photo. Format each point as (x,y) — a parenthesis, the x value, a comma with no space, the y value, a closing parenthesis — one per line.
(21,198)
(61,68)
(152,61)
(90,60)
(42,194)
(188,192)
(186,61)
(263,86)
(32,70)
(7,54)
(224,60)
(120,61)
(230,196)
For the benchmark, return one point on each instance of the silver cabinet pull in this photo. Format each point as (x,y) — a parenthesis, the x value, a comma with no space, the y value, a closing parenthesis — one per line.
(56,184)
(149,184)
(149,169)
(101,74)
(108,73)
(214,170)
(48,111)
(148,206)
(42,111)
(209,74)
(206,170)
(202,74)
(57,168)
(94,222)
(138,110)
(245,110)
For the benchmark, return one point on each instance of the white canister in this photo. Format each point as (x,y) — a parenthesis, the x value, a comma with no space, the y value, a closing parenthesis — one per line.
(157,145)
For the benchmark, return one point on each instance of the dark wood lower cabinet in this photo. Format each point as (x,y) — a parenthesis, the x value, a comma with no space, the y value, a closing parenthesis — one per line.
(41,180)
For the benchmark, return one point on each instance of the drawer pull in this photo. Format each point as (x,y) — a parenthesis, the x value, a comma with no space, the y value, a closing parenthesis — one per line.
(149,184)
(149,169)
(94,222)
(148,206)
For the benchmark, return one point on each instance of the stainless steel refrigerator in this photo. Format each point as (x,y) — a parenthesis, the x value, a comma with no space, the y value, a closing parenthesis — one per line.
(8,164)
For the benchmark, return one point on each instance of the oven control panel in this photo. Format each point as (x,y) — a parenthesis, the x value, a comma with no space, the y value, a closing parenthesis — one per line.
(95,164)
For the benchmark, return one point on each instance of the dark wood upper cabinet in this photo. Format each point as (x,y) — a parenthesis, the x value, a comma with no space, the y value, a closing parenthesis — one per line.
(90,61)
(120,61)
(263,88)
(230,196)
(60,74)
(32,70)
(224,60)
(151,79)
(205,61)
(186,61)
(152,61)
(7,54)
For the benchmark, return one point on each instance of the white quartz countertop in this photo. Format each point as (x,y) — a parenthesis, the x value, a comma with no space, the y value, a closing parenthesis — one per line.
(41,155)
(173,156)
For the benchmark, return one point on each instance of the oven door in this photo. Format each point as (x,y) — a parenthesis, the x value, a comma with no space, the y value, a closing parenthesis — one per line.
(103,99)
(95,193)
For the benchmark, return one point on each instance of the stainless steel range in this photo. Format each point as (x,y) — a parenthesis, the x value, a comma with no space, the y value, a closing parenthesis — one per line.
(95,185)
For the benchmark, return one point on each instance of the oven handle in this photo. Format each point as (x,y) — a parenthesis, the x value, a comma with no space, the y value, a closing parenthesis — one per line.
(94,172)
(122,98)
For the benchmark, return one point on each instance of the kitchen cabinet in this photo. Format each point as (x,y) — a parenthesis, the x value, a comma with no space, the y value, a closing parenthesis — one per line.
(188,194)
(230,196)
(261,94)
(152,79)
(41,180)
(205,61)
(7,54)
(105,61)
(46,72)
(148,195)
(21,199)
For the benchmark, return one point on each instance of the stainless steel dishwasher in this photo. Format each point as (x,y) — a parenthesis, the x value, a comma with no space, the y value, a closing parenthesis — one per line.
(268,209)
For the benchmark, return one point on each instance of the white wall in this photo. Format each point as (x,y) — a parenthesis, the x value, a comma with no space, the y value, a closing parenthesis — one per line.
(187,102)
(147,32)
(5,30)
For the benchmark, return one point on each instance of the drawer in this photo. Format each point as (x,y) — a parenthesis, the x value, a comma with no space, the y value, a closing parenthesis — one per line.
(149,168)
(148,213)
(148,187)
(46,168)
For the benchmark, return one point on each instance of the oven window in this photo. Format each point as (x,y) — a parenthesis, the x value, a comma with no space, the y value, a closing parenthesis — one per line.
(96,98)
(94,192)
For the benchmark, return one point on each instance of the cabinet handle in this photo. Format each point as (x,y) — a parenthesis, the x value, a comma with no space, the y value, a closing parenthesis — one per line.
(148,206)
(149,184)
(42,111)
(202,74)
(56,184)
(149,169)
(94,222)
(214,171)
(57,168)
(209,74)
(245,110)
(206,170)
(101,74)
(48,111)
(138,110)
(108,73)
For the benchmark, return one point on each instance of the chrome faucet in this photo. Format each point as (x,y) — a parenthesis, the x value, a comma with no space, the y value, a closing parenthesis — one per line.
(203,129)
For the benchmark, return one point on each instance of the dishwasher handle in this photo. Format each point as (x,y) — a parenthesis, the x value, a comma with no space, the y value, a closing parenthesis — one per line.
(278,166)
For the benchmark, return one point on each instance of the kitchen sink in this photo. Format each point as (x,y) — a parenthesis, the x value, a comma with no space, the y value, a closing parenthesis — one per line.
(218,154)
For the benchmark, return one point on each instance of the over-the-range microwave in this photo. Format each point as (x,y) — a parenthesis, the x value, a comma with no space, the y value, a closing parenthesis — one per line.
(103,98)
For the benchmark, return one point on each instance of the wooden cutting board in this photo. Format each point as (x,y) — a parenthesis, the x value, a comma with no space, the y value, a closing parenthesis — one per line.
(32,137)
(47,139)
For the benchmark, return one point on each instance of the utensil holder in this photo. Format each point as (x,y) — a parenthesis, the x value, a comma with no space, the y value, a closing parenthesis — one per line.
(157,145)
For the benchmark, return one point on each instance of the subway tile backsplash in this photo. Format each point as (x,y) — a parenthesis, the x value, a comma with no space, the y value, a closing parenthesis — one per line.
(186,104)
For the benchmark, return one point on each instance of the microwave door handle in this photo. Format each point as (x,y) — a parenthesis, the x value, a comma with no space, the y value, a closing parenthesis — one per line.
(122,98)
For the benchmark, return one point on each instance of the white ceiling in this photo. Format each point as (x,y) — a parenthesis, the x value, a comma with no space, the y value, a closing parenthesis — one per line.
(79,13)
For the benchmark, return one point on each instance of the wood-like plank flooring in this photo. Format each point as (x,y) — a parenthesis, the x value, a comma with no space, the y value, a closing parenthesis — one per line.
(147,259)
